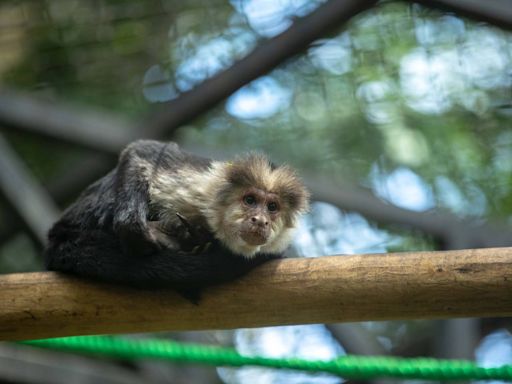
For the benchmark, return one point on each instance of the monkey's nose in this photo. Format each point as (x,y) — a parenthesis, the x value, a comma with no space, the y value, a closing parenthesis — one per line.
(258,220)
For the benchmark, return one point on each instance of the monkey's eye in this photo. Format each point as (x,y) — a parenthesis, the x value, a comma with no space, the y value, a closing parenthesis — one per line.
(272,207)
(250,200)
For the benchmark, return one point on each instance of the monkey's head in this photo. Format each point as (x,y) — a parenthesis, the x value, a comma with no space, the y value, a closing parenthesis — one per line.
(255,205)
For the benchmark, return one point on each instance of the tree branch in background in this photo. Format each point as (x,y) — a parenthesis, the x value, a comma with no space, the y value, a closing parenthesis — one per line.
(496,12)
(87,128)
(456,338)
(356,340)
(24,194)
(268,55)
(67,186)
(106,133)
(19,364)
(453,232)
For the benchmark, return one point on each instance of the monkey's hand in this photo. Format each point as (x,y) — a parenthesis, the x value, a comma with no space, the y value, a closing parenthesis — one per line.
(159,235)
(182,236)
(193,238)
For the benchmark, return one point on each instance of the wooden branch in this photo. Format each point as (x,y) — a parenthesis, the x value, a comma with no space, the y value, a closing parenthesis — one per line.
(496,12)
(332,289)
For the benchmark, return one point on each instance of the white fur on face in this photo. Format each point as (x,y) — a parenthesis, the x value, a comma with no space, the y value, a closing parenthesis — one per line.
(229,222)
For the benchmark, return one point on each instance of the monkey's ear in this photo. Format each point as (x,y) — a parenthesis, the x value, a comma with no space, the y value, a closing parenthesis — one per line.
(291,189)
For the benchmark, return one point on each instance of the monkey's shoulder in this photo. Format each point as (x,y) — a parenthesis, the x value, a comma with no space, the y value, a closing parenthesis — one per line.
(164,155)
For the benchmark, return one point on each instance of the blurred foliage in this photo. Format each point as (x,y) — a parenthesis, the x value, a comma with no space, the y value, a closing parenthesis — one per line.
(46,160)
(413,103)
(18,256)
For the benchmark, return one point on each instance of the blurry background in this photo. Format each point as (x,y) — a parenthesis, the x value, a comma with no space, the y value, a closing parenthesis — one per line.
(403,115)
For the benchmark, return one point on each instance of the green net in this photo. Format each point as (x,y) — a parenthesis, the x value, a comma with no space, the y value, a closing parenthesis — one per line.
(356,367)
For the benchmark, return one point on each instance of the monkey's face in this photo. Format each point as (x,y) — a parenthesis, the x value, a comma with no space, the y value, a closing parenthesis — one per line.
(260,211)
(255,205)
(250,221)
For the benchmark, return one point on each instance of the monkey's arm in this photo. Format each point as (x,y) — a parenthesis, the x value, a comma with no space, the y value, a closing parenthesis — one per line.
(138,232)
(138,164)
(180,235)
(131,198)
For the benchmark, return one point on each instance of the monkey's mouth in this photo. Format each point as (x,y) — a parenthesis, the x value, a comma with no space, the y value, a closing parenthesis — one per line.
(254,237)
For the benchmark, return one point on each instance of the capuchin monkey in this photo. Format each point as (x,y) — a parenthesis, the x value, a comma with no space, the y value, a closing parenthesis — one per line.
(167,218)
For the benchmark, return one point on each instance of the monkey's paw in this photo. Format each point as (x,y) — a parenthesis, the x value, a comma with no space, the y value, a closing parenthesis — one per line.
(193,238)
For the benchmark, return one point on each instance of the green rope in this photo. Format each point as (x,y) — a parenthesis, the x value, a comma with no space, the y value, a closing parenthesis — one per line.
(356,367)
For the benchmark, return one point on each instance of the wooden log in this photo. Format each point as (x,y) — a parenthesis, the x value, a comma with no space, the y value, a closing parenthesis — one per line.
(465,283)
